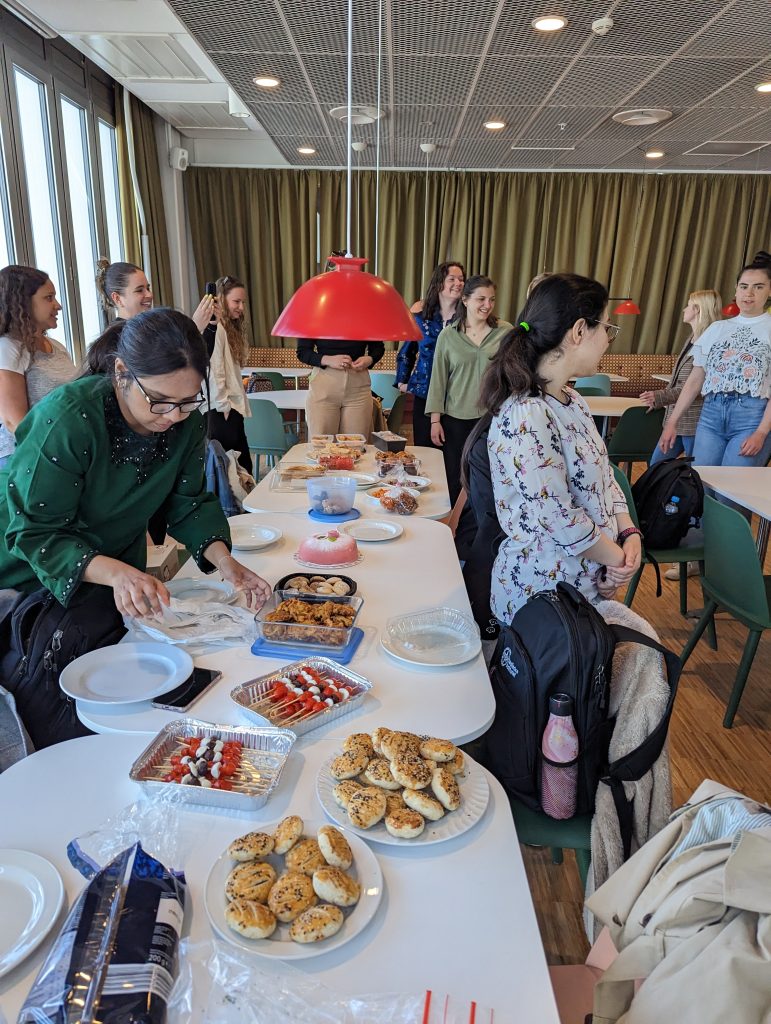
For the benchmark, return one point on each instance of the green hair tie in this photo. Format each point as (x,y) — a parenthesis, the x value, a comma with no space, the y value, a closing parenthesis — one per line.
(523,324)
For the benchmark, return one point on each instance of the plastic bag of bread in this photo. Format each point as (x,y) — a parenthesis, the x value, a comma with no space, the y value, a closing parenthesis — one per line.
(115,958)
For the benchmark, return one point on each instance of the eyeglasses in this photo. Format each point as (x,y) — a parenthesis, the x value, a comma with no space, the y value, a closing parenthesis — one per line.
(159,408)
(610,329)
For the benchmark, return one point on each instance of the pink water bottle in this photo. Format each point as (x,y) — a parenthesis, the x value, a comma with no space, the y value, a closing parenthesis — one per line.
(559,747)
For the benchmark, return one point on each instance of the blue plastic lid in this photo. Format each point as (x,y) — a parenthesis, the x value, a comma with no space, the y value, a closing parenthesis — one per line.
(674,499)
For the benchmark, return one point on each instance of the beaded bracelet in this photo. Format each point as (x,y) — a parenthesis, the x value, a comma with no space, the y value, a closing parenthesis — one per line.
(630,531)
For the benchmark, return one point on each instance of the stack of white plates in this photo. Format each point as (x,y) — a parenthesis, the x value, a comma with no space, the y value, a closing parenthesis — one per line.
(436,638)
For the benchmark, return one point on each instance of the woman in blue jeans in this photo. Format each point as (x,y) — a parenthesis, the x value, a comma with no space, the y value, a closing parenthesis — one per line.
(732,369)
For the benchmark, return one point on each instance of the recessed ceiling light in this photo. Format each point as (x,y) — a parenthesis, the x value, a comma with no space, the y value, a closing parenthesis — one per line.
(763,87)
(642,116)
(306,150)
(552,23)
(495,126)
(266,81)
(654,154)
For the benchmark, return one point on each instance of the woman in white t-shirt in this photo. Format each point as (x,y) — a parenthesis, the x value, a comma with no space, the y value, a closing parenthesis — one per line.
(732,369)
(31,363)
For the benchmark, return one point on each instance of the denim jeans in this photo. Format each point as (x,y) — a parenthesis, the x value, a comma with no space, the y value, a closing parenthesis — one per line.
(725,421)
(683,444)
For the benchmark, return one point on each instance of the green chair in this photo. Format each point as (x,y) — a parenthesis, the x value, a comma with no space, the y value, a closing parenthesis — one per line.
(691,550)
(276,379)
(384,385)
(597,380)
(395,417)
(733,580)
(267,433)
(635,436)
(591,392)
(537,829)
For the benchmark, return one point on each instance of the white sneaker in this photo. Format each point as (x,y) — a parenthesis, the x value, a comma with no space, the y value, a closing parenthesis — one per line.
(674,572)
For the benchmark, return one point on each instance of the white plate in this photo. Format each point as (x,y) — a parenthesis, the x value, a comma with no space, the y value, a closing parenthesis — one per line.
(362,479)
(417,483)
(246,537)
(474,791)
(315,565)
(279,946)
(435,638)
(31,896)
(126,673)
(201,590)
(372,530)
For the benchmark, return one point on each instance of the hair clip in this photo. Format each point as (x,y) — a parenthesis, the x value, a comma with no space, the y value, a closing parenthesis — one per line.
(524,325)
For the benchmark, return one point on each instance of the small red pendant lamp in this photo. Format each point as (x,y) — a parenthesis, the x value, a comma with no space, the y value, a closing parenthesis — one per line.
(347,304)
(730,310)
(627,308)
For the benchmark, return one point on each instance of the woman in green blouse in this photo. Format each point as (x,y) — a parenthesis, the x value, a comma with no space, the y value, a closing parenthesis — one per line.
(99,455)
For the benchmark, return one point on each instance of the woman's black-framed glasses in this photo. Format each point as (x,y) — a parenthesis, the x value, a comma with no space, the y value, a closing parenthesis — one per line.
(160,407)
(610,329)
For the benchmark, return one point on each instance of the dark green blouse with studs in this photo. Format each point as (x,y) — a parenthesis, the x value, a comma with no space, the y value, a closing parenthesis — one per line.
(82,483)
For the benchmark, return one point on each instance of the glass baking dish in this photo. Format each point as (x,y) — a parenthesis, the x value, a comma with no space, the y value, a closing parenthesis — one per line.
(313,634)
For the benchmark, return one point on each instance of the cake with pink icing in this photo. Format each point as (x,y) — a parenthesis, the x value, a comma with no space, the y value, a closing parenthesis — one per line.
(332,548)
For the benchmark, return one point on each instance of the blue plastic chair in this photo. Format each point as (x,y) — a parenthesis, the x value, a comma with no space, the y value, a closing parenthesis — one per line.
(597,380)
(384,386)
(267,433)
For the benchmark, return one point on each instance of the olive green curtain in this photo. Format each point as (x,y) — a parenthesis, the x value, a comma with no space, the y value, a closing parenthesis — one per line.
(653,237)
(148,178)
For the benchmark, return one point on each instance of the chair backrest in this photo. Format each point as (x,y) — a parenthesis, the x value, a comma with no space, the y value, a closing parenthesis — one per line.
(275,378)
(591,392)
(396,415)
(636,435)
(383,384)
(265,427)
(732,569)
(626,487)
(597,380)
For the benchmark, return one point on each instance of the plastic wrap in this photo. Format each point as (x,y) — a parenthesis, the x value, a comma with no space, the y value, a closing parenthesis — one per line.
(190,624)
(115,959)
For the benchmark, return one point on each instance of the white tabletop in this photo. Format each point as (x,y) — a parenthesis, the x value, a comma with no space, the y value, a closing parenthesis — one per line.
(664,377)
(603,405)
(456,918)
(290,399)
(748,486)
(418,570)
(433,503)
(285,371)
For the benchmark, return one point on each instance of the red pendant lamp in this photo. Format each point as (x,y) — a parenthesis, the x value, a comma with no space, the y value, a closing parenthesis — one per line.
(627,307)
(347,304)
(730,310)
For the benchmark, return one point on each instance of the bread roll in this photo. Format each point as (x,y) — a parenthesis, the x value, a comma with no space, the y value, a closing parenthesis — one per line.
(334,847)
(305,857)
(394,801)
(400,743)
(458,764)
(251,880)
(361,741)
(252,846)
(316,923)
(343,792)
(288,831)
(411,771)
(333,886)
(349,764)
(251,919)
(423,804)
(378,736)
(291,894)
(405,823)
(437,750)
(367,807)
(446,789)
(378,773)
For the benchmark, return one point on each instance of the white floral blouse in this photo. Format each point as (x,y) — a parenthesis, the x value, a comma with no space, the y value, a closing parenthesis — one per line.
(736,356)
(554,492)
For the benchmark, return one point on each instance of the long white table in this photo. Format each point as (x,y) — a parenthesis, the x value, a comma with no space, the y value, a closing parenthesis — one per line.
(285,371)
(289,399)
(418,570)
(434,502)
(748,486)
(609,406)
(456,918)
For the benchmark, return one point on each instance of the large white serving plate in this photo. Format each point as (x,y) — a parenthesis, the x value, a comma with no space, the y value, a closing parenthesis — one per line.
(31,896)
(126,673)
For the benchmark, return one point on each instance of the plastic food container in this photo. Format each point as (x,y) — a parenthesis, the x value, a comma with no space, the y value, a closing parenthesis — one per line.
(321,440)
(352,440)
(388,441)
(409,463)
(332,495)
(312,577)
(292,475)
(315,635)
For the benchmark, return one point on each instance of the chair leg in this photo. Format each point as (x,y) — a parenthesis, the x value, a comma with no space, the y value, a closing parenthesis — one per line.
(583,860)
(745,665)
(683,588)
(632,588)
(701,625)
(556,855)
(711,629)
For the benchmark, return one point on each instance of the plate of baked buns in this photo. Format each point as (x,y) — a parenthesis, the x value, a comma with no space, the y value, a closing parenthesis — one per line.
(400,789)
(293,890)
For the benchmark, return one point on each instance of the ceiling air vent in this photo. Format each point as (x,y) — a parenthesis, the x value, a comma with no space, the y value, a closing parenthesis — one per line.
(360,114)
(642,116)
(725,148)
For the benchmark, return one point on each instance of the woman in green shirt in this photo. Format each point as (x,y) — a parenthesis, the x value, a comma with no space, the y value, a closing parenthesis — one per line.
(99,455)
(463,353)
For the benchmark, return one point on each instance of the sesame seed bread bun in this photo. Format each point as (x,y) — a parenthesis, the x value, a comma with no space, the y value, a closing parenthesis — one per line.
(291,894)
(316,923)
(411,771)
(378,773)
(288,831)
(405,823)
(334,847)
(437,750)
(343,792)
(367,807)
(458,764)
(394,801)
(424,804)
(361,741)
(349,764)
(251,880)
(252,846)
(305,856)
(333,886)
(251,919)
(400,743)
(445,788)
(377,737)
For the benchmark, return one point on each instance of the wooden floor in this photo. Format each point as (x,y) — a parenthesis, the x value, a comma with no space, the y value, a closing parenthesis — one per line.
(699,748)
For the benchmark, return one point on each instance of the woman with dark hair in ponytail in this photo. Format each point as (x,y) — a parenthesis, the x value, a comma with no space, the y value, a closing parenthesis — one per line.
(563,515)
(99,455)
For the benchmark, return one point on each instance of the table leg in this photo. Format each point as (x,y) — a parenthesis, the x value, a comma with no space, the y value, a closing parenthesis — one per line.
(762,541)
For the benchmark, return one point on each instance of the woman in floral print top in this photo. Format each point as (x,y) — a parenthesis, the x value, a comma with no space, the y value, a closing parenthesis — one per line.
(563,514)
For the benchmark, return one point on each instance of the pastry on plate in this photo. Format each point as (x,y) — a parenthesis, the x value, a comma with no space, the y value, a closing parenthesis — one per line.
(411,771)
(404,823)
(349,764)
(394,801)
(305,856)
(343,792)
(361,741)
(288,831)
(400,743)
(291,894)
(424,804)
(378,736)
(316,923)
(334,847)
(252,846)
(251,919)
(378,773)
(437,750)
(333,886)
(251,880)
(446,789)
(367,807)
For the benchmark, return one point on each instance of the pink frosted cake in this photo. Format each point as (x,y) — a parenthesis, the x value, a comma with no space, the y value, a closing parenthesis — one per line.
(330,548)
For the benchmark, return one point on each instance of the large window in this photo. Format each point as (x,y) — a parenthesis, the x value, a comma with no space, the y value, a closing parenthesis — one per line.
(41,186)
(109,159)
(6,234)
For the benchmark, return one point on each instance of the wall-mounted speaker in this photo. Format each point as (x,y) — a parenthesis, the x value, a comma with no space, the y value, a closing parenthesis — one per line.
(179,158)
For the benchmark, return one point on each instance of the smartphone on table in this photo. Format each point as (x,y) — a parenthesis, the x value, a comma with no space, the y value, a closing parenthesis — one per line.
(188,692)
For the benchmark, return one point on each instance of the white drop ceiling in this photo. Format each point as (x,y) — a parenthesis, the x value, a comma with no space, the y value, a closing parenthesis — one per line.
(447,66)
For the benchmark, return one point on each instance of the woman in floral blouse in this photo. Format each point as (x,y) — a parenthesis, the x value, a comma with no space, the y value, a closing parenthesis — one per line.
(563,514)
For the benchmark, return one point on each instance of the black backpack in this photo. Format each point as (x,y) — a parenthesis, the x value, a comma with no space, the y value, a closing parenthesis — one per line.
(559,643)
(38,638)
(652,491)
